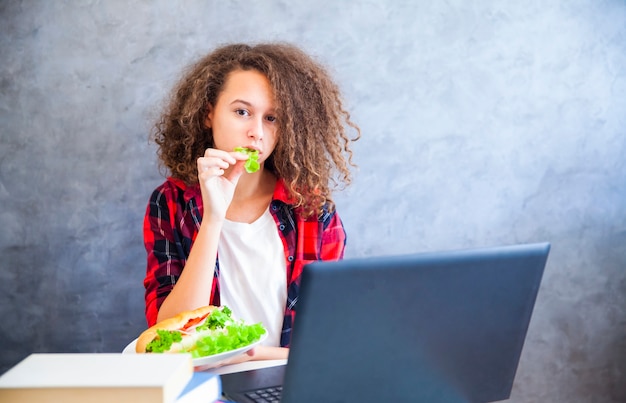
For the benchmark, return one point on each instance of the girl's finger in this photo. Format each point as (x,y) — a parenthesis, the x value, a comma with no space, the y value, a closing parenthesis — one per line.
(239,155)
(219,154)
(208,173)
(209,162)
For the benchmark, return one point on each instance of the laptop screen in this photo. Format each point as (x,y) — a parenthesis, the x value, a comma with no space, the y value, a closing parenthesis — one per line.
(432,327)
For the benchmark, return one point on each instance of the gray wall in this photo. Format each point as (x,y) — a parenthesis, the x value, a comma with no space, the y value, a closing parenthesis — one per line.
(485,122)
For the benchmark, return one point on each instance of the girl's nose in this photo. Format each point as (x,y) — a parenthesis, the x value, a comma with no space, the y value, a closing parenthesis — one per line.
(256,130)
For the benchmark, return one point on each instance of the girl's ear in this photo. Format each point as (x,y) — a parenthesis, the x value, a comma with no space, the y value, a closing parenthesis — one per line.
(208,117)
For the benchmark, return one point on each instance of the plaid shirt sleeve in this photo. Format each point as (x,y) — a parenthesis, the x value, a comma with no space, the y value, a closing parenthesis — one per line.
(167,239)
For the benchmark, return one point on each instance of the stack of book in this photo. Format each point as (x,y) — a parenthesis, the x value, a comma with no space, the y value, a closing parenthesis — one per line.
(136,378)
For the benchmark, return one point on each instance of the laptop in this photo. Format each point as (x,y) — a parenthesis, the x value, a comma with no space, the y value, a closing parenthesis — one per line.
(431,327)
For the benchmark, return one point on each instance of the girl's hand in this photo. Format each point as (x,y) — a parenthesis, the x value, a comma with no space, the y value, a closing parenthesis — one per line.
(218,174)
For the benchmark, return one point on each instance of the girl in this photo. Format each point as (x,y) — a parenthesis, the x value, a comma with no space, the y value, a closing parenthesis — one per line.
(217,234)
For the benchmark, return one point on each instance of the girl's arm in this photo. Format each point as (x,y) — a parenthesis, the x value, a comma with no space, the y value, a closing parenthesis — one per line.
(217,184)
(193,288)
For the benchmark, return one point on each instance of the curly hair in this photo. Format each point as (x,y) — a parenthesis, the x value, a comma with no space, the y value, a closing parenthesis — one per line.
(312,153)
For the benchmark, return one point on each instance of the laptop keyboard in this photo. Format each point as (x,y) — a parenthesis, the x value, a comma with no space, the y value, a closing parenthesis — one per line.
(265,395)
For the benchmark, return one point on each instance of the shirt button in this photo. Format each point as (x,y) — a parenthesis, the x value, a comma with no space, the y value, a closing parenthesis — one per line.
(290,258)
(282,227)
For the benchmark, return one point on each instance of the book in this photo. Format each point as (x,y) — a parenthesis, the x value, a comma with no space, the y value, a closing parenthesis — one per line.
(97,377)
(204,387)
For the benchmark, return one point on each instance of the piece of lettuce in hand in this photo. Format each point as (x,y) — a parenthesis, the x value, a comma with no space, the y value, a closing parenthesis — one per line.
(252,163)
(163,341)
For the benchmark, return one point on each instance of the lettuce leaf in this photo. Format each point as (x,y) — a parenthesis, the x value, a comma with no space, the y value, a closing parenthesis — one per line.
(232,337)
(216,320)
(252,163)
(163,341)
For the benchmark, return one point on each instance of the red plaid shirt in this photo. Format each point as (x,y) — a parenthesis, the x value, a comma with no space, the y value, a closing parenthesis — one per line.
(171,224)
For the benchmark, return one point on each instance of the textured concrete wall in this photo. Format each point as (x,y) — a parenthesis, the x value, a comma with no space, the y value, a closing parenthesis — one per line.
(484,122)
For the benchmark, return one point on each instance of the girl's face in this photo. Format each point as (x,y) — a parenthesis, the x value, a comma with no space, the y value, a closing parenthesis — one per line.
(244,114)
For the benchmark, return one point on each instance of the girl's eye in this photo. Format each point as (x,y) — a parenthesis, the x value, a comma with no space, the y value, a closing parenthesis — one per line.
(271,118)
(242,112)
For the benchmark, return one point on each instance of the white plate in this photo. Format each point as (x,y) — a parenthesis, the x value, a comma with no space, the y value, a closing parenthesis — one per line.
(210,359)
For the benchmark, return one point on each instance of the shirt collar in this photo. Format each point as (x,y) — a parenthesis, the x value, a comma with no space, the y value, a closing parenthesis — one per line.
(281,193)
(189,191)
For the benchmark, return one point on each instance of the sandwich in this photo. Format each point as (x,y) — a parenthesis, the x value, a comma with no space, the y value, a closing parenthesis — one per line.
(202,332)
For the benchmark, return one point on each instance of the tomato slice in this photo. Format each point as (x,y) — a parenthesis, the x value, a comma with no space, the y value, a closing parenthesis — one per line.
(194,321)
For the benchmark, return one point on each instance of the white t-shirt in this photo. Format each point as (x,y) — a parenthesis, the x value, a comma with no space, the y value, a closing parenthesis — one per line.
(253,279)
